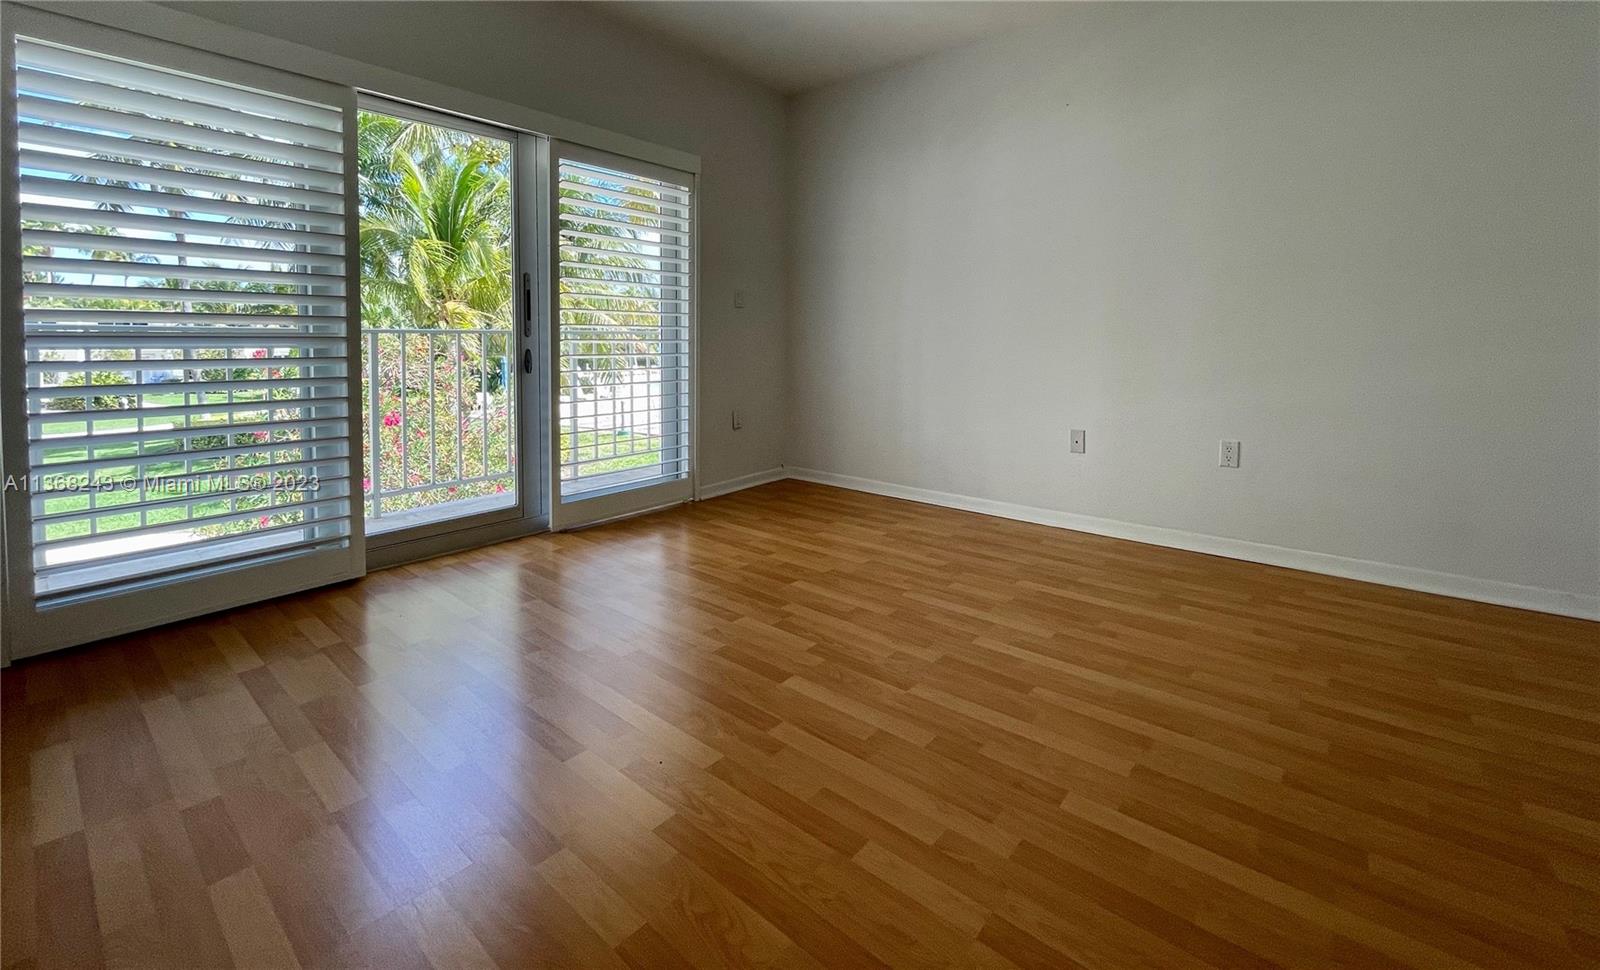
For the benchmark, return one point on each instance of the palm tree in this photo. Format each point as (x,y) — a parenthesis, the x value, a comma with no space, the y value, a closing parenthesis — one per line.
(435,255)
(608,355)
(435,227)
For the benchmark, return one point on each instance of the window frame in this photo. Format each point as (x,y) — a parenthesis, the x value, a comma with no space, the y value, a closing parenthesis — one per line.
(529,513)
(608,503)
(29,629)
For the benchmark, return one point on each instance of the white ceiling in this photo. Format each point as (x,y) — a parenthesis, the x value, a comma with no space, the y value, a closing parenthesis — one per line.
(796,45)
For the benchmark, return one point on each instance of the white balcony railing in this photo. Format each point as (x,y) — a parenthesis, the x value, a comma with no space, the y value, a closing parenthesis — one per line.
(440,409)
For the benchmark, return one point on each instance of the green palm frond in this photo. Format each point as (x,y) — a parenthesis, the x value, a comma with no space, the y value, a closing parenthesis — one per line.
(435,228)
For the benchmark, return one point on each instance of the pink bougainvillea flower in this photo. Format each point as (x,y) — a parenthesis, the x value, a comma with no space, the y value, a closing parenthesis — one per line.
(392,419)
(258,354)
(263,521)
(366,484)
(261,436)
(499,488)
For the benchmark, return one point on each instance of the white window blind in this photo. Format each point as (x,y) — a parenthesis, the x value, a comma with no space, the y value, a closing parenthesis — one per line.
(624,274)
(184,327)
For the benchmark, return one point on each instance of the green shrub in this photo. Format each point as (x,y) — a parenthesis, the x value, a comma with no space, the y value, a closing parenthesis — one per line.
(102,402)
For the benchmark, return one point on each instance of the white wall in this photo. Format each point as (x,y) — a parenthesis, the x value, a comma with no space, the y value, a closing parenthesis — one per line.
(546,57)
(1365,240)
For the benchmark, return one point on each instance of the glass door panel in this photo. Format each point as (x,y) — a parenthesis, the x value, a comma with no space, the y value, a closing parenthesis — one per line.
(623,335)
(440,351)
(180,408)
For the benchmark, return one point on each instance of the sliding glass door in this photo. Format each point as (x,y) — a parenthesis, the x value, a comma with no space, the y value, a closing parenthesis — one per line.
(441,346)
(622,338)
(177,338)
(260,332)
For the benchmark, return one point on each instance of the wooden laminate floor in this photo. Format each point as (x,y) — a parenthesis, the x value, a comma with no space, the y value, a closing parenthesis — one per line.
(804,727)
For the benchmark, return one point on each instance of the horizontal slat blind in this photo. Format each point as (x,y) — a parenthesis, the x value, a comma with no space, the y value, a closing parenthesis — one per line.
(624,275)
(184,322)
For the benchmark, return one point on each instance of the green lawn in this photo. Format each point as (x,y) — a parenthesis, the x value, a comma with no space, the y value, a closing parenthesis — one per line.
(602,452)
(633,451)
(81,501)
(71,423)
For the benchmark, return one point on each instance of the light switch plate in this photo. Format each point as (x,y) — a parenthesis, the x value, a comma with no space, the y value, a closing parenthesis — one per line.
(1077,441)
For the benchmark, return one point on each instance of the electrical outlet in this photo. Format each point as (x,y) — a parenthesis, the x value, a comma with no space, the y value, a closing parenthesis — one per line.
(1077,441)
(737,421)
(738,299)
(1228,454)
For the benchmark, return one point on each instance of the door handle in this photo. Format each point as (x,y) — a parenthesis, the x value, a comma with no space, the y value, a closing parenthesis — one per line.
(527,360)
(527,307)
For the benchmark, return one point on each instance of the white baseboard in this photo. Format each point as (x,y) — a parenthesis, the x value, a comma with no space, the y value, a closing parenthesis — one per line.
(742,482)
(1387,574)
